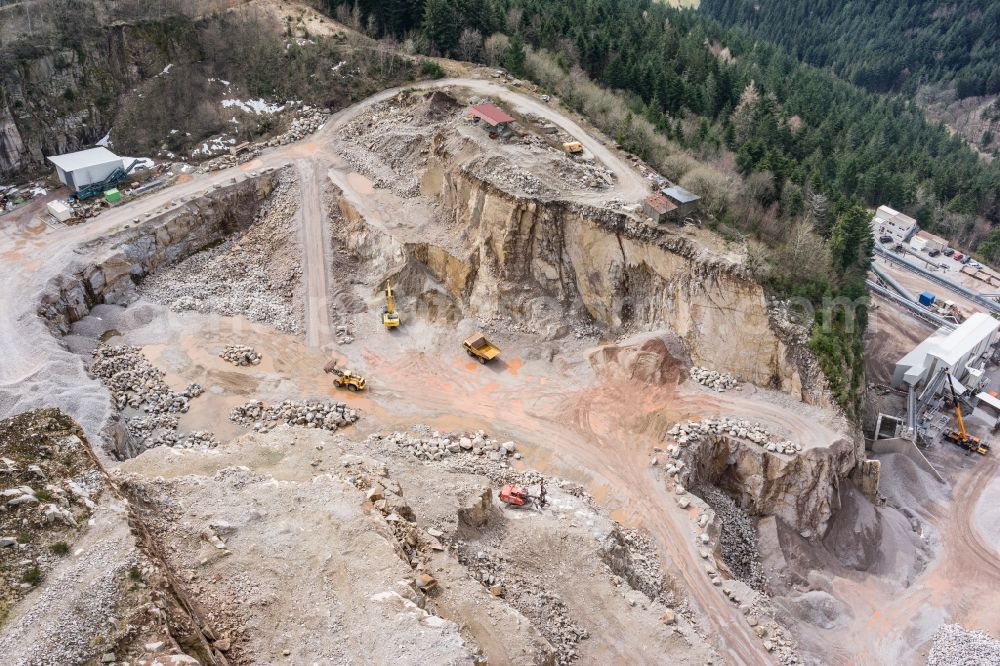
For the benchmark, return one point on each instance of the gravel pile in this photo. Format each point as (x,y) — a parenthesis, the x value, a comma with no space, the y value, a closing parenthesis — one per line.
(440,446)
(955,646)
(508,177)
(389,146)
(256,274)
(693,431)
(241,355)
(197,439)
(312,414)
(307,120)
(142,427)
(548,613)
(632,555)
(738,539)
(134,383)
(719,381)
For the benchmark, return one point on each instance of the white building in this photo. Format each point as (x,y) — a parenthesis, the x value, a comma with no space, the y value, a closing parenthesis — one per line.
(888,221)
(955,351)
(79,169)
(927,242)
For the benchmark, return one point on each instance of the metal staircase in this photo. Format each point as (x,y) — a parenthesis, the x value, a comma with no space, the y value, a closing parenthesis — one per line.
(97,189)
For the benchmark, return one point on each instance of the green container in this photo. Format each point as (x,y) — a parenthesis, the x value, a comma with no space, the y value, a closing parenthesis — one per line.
(111,196)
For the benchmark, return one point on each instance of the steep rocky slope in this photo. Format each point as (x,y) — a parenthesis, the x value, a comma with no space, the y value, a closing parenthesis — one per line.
(544,260)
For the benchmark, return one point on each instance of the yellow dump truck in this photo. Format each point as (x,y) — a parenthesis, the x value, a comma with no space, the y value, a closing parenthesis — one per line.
(573,147)
(477,346)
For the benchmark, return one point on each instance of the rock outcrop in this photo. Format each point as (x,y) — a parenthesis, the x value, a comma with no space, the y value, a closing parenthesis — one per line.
(801,490)
(125,258)
(524,256)
(61,99)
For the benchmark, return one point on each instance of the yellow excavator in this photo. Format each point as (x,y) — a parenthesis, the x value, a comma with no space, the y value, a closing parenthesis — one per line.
(390,318)
(961,437)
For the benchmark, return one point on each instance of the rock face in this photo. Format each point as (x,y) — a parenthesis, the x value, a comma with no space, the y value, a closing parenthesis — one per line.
(475,509)
(801,490)
(131,254)
(62,99)
(627,276)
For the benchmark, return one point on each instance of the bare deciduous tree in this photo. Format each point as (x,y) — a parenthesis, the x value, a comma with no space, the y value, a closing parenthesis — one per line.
(470,45)
(494,48)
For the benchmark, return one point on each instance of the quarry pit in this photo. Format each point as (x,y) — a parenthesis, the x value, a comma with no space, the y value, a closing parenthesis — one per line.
(702,482)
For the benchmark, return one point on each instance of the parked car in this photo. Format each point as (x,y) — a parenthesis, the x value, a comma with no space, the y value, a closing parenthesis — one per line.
(948,252)
(934,253)
(958,256)
(885,239)
(966,259)
(975,264)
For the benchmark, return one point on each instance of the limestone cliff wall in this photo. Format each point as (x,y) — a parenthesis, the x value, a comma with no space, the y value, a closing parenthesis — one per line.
(628,276)
(119,262)
(802,490)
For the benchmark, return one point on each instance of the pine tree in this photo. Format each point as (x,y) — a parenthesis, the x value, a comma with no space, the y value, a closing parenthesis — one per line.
(513,60)
(441,25)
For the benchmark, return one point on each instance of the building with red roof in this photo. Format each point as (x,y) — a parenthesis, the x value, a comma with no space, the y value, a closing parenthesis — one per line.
(490,114)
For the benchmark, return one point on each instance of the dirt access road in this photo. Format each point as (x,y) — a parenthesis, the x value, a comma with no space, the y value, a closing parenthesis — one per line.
(38,372)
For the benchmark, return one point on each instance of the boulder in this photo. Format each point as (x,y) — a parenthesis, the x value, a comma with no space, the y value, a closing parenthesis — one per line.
(474,509)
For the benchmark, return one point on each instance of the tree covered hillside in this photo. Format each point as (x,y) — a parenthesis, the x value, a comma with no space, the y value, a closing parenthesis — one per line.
(883,45)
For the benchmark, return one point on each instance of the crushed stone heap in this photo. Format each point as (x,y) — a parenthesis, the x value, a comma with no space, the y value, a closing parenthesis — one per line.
(134,382)
(241,355)
(439,446)
(720,381)
(955,645)
(693,431)
(311,414)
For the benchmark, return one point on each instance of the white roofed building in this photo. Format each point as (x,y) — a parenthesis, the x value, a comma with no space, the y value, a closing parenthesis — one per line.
(888,221)
(85,167)
(953,350)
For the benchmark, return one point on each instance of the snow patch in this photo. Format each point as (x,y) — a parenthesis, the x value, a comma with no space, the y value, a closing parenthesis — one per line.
(166,70)
(143,163)
(38,191)
(213,146)
(105,140)
(257,106)
(338,65)
(222,81)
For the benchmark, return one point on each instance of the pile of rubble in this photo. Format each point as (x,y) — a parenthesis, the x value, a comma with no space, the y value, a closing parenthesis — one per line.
(229,160)
(693,431)
(255,274)
(955,645)
(738,538)
(134,383)
(548,611)
(719,381)
(507,176)
(440,446)
(311,414)
(197,439)
(241,355)
(306,121)
(387,146)
(143,427)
